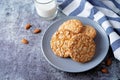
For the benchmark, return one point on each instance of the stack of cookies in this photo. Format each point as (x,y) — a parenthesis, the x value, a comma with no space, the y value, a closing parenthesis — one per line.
(74,40)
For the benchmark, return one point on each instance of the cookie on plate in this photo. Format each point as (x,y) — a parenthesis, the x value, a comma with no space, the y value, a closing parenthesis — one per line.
(73,25)
(60,42)
(82,48)
(89,30)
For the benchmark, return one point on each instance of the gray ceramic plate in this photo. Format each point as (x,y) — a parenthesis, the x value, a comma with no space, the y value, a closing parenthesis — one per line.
(67,64)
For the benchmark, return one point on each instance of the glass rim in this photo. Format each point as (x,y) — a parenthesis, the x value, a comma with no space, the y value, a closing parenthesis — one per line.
(43,3)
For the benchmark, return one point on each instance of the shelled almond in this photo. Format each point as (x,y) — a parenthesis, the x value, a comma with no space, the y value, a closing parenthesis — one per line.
(24,41)
(104,70)
(108,62)
(27,26)
(36,31)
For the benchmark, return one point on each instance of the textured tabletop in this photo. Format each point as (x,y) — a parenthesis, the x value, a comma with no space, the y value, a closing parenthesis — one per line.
(26,62)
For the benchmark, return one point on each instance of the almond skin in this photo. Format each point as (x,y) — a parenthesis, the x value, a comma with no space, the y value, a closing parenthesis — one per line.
(36,31)
(104,70)
(108,62)
(24,41)
(27,26)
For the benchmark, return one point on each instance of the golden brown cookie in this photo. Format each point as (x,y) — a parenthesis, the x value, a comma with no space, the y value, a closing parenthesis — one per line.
(73,25)
(60,42)
(89,30)
(82,48)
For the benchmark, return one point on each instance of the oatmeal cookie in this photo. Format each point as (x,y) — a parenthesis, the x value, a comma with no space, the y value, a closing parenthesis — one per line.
(82,48)
(73,25)
(60,42)
(89,30)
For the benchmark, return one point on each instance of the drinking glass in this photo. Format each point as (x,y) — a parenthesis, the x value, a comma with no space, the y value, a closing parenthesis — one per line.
(46,9)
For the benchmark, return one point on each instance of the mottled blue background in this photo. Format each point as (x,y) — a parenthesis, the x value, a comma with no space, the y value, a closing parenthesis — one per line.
(26,62)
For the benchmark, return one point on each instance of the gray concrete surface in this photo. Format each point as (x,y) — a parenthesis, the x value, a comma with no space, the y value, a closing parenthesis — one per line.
(26,62)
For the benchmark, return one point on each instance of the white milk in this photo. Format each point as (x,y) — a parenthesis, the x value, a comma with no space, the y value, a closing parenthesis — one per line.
(46,8)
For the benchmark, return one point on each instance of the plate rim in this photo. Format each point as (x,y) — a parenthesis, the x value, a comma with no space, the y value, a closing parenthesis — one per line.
(50,62)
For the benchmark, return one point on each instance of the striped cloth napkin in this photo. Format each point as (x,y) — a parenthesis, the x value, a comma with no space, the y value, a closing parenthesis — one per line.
(105,12)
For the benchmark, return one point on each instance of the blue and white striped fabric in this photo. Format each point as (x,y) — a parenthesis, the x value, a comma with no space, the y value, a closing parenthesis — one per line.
(105,12)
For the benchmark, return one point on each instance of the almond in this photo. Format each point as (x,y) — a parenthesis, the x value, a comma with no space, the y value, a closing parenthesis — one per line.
(24,41)
(37,31)
(108,62)
(27,26)
(104,70)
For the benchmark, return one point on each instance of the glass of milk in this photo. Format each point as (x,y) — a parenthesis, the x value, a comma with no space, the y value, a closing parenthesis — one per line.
(46,9)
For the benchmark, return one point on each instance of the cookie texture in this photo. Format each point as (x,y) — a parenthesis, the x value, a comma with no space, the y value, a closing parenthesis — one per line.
(82,48)
(73,25)
(60,42)
(74,40)
(89,30)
